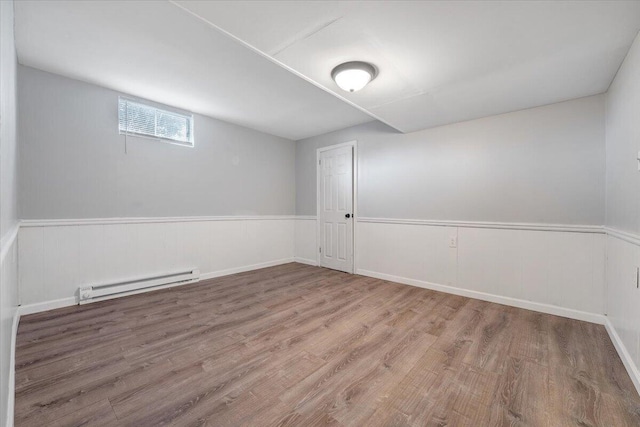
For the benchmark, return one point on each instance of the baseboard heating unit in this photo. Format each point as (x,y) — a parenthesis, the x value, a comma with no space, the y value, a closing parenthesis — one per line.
(101,292)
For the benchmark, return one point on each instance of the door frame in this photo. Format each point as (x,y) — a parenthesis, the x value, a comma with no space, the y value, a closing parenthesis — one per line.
(354,196)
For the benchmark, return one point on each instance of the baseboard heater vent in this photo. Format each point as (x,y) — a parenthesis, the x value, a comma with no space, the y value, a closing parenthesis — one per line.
(133,286)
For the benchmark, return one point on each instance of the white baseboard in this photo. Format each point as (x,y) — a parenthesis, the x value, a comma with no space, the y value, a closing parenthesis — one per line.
(11,392)
(242,269)
(305,261)
(514,302)
(47,305)
(630,366)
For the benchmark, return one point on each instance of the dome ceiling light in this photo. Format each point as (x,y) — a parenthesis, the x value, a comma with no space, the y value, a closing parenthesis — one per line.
(353,76)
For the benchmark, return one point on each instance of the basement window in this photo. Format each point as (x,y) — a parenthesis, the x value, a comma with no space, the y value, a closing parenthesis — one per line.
(136,118)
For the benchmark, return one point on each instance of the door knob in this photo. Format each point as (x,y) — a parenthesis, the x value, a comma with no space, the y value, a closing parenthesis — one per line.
(347,216)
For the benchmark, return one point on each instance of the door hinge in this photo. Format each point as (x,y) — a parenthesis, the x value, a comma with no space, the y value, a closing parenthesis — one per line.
(320,161)
(320,249)
(637,277)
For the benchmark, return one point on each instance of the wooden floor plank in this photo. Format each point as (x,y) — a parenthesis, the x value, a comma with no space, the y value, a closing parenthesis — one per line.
(301,345)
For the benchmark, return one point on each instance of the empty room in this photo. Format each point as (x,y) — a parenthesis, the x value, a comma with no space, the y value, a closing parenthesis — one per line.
(319,213)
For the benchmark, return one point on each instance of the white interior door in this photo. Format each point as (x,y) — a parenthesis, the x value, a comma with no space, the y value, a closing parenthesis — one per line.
(335,200)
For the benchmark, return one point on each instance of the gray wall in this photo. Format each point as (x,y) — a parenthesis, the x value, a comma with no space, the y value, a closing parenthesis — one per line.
(8,198)
(542,165)
(73,162)
(8,149)
(623,144)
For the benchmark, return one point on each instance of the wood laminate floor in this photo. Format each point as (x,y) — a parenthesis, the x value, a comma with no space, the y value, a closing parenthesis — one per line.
(302,345)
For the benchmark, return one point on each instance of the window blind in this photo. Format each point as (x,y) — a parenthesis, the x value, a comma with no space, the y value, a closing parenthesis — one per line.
(135,118)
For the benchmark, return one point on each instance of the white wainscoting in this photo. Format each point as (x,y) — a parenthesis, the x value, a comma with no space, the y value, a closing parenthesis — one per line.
(558,268)
(306,249)
(406,251)
(623,298)
(552,270)
(56,257)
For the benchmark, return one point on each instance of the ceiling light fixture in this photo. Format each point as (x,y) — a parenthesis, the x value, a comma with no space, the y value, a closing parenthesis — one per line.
(353,76)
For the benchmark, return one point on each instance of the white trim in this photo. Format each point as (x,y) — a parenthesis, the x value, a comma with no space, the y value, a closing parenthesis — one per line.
(514,302)
(150,220)
(479,224)
(39,307)
(623,235)
(305,261)
(354,215)
(12,369)
(632,370)
(351,143)
(8,239)
(242,269)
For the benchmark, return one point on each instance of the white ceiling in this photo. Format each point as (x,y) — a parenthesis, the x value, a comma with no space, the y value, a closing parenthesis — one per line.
(266,65)
(442,61)
(158,51)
